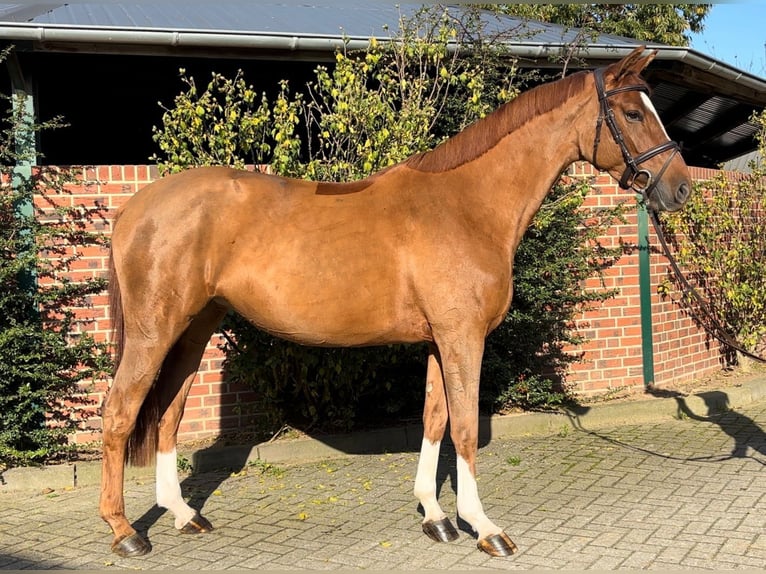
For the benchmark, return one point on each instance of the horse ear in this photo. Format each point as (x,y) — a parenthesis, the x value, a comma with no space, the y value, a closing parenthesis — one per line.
(632,63)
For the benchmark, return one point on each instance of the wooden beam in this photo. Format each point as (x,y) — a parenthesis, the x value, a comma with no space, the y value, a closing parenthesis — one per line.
(724,123)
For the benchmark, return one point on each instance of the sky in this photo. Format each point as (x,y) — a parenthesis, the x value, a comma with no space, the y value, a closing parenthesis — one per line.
(735,33)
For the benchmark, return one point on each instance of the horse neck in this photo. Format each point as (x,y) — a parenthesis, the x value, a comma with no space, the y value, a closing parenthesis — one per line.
(515,175)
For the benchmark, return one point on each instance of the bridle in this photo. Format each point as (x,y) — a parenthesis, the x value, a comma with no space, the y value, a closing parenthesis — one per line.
(633,172)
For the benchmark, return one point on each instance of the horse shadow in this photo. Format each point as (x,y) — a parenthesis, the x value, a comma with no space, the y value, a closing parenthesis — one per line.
(213,465)
(744,431)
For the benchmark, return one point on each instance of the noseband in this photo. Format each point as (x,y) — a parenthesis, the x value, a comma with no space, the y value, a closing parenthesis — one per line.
(632,170)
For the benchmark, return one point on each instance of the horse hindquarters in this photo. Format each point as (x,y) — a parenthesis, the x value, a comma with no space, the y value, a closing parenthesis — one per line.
(141,410)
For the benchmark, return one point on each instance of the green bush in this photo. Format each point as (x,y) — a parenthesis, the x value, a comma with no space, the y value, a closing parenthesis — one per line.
(525,361)
(371,110)
(720,240)
(43,357)
(327,389)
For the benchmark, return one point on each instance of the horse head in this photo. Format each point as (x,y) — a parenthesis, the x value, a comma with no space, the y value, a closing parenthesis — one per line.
(636,149)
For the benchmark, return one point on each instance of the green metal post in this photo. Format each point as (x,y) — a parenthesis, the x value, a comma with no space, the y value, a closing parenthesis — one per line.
(645,287)
(25,138)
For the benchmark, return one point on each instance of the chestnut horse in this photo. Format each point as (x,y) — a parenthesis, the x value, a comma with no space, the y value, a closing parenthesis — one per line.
(421,251)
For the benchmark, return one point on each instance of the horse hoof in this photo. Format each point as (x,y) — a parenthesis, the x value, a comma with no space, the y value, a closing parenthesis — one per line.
(497,545)
(131,546)
(440,530)
(197,525)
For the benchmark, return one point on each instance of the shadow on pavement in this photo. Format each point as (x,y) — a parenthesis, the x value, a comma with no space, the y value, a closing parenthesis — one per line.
(220,460)
(14,562)
(745,432)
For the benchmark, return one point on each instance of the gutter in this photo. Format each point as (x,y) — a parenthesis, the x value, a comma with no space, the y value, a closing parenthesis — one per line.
(711,65)
(673,53)
(180,38)
(175,38)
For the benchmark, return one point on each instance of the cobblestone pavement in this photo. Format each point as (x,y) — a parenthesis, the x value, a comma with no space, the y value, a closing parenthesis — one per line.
(675,494)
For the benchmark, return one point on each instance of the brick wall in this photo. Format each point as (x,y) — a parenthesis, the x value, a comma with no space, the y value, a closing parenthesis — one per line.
(613,353)
(612,357)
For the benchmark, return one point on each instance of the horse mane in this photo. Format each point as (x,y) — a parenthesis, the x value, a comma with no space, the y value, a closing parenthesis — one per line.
(484,134)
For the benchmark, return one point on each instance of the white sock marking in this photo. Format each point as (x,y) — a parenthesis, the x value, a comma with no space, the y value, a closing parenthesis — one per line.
(469,506)
(169,489)
(425,480)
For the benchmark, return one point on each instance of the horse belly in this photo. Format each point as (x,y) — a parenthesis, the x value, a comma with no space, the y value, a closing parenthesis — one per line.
(327,306)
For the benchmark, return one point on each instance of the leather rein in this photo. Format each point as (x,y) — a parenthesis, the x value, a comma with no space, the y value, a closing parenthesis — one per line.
(629,180)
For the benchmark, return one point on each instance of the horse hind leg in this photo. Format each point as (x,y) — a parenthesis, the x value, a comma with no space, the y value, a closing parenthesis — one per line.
(132,383)
(176,377)
(436,524)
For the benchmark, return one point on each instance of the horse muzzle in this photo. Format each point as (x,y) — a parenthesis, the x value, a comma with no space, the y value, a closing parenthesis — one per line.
(660,191)
(663,196)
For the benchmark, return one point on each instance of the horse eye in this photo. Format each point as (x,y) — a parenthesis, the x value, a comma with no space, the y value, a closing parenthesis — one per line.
(634,116)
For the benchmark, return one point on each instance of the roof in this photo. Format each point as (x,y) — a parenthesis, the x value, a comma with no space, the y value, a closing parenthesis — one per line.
(705,104)
(357,19)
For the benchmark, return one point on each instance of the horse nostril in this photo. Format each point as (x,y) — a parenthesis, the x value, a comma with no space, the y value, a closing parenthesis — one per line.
(683,192)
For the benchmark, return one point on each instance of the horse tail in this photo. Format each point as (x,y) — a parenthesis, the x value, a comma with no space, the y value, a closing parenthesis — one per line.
(142,443)
(115,310)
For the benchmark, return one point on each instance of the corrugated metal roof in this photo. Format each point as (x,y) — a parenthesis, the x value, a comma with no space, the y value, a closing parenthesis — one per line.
(742,163)
(24,12)
(230,15)
(354,18)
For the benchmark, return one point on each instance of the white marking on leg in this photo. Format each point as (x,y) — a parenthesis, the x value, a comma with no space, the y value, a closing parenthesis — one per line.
(469,506)
(425,480)
(169,489)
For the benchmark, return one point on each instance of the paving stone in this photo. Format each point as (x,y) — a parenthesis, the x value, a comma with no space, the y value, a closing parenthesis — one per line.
(662,495)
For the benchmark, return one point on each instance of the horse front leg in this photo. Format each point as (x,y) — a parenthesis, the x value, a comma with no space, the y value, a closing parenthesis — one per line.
(461,367)
(436,524)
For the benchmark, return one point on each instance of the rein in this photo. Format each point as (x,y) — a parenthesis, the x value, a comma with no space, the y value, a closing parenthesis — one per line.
(629,181)
(712,325)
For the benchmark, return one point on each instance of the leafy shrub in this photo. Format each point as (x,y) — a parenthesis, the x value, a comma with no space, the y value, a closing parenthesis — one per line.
(328,389)
(525,363)
(720,240)
(43,357)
